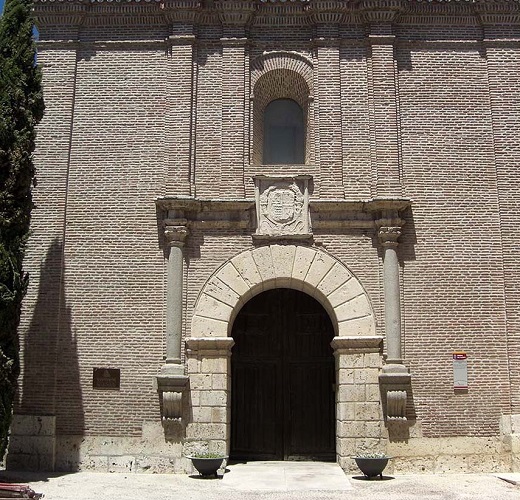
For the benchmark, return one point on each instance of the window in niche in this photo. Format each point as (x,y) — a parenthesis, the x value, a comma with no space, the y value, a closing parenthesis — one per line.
(284,133)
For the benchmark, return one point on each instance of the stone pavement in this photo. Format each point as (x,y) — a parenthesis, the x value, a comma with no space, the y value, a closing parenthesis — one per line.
(270,481)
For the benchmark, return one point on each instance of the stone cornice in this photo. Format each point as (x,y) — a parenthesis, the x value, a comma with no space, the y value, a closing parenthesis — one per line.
(241,13)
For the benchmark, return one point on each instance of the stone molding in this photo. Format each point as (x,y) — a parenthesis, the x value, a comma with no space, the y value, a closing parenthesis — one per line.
(357,345)
(209,346)
(395,387)
(302,268)
(396,405)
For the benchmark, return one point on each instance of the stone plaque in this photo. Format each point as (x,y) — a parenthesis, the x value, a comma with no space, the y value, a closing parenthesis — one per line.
(282,206)
(106,378)
(460,370)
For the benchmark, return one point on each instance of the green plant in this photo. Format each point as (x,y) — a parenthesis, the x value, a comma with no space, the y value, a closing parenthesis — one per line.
(21,108)
(207,454)
(372,454)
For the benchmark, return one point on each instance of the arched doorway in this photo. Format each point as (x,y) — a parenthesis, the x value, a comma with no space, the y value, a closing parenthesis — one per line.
(283,379)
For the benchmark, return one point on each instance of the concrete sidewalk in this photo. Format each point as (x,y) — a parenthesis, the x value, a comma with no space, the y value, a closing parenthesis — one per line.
(273,481)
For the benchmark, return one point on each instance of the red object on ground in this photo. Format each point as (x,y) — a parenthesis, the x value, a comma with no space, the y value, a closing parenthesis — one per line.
(9,490)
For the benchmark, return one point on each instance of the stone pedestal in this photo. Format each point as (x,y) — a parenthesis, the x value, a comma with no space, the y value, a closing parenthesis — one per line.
(32,443)
(358,407)
(209,369)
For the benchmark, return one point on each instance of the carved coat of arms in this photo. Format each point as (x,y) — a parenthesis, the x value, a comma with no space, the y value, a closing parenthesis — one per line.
(282,206)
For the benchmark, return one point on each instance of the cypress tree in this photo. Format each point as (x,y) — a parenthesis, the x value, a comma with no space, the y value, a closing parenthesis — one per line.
(21,108)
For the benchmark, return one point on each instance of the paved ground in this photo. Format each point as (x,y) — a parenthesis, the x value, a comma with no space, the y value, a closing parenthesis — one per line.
(271,481)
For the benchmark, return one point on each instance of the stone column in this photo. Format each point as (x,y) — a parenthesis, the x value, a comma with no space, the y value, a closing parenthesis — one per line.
(175,233)
(394,378)
(171,381)
(388,236)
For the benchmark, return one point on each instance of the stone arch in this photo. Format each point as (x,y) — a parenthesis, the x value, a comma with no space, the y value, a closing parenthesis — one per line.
(290,266)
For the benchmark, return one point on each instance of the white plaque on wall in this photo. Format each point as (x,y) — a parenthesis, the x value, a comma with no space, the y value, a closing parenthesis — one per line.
(460,370)
(282,206)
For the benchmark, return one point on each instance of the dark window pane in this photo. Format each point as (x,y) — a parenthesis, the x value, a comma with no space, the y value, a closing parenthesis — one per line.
(284,135)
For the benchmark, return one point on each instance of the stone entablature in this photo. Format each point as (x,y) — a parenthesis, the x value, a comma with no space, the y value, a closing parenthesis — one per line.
(240,213)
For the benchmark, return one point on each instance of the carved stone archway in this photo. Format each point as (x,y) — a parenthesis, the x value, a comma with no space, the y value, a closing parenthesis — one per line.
(357,348)
(290,266)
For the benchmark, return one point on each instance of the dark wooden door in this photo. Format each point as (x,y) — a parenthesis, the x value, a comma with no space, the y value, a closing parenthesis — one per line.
(282,393)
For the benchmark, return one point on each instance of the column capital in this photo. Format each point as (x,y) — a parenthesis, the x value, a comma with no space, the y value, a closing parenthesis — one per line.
(175,231)
(389,231)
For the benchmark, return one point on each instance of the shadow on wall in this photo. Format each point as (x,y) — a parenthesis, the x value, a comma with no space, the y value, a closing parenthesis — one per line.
(50,400)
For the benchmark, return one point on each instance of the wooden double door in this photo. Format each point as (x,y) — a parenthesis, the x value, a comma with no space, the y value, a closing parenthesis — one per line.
(283,379)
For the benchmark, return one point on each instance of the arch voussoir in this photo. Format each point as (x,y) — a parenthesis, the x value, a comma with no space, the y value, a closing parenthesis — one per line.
(283,259)
(302,262)
(264,262)
(347,291)
(357,327)
(247,268)
(231,276)
(293,266)
(220,290)
(336,278)
(321,265)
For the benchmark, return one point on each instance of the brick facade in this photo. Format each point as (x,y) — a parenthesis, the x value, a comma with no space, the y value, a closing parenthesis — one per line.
(154,118)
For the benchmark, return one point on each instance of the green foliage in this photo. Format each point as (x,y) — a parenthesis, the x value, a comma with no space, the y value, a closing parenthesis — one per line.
(207,454)
(21,108)
(372,454)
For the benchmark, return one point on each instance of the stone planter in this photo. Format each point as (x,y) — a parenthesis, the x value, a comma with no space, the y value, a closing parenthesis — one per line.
(207,466)
(372,467)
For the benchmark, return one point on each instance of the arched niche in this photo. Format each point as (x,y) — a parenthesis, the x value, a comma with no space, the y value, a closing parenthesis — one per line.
(280,75)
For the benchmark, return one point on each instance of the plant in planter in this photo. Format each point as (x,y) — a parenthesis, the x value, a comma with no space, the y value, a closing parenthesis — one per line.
(207,464)
(372,464)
